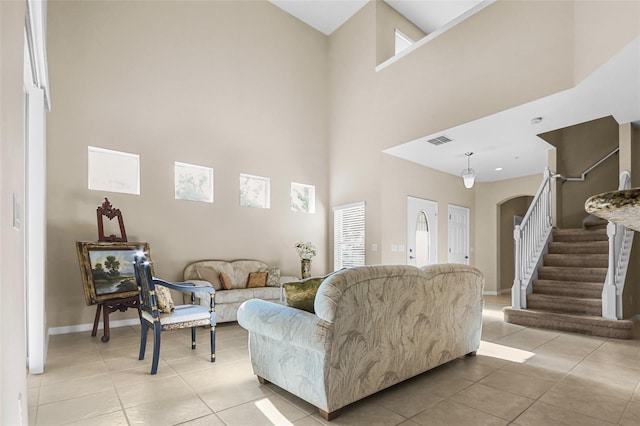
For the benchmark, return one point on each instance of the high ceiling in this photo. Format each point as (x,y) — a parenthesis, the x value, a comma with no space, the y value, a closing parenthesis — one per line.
(507,140)
(327,15)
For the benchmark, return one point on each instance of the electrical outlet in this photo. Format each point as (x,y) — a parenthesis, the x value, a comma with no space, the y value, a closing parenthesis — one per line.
(374,247)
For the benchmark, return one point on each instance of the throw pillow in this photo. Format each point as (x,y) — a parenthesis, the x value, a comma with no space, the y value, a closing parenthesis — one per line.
(164,299)
(257,279)
(302,294)
(226,281)
(210,275)
(273,277)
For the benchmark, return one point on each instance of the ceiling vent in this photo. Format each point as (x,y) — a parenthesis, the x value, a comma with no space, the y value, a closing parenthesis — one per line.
(439,140)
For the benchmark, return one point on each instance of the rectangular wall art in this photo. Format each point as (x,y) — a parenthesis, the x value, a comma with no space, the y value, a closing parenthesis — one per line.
(107,269)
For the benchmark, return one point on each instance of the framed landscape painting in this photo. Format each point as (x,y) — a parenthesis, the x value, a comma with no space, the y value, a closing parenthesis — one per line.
(107,269)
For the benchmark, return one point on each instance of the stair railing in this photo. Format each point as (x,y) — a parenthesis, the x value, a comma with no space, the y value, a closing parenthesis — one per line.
(583,176)
(620,241)
(531,241)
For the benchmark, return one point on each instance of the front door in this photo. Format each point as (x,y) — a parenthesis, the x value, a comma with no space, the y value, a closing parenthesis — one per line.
(422,232)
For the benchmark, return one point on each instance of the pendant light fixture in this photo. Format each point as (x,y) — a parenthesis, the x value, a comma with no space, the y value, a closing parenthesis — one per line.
(468,174)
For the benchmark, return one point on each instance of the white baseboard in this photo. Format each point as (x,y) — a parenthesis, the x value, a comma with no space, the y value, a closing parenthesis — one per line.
(496,292)
(88,327)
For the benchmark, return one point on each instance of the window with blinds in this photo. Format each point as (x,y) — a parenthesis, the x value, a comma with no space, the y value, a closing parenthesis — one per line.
(348,236)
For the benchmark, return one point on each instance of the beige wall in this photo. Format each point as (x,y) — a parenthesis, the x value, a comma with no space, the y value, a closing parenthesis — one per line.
(372,111)
(250,89)
(578,148)
(601,29)
(631,294)
(387,21)
(400,179)
(506,258)
(237,86)
(489,197)
(13,384)
(521,58)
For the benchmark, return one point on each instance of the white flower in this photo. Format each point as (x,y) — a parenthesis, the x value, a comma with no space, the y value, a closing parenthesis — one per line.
(305,249)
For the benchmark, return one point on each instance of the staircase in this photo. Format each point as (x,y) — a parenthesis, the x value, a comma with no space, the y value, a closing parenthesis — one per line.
(567,294)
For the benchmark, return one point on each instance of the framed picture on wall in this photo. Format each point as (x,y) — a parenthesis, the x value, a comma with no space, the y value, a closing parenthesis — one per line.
(107,269)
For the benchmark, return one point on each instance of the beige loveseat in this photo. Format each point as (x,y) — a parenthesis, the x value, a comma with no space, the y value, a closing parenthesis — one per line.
(207,272)
(373,327)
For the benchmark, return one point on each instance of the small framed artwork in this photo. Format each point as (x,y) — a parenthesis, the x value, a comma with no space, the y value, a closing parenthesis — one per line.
(107,269)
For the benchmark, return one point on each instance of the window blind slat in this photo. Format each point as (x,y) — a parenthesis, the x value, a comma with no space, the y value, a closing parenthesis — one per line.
(348,233)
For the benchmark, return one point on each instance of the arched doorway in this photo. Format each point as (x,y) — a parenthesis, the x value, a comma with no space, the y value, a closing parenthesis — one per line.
(510,213)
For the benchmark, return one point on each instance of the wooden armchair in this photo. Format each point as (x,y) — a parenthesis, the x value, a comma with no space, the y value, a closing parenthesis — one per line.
(181,316)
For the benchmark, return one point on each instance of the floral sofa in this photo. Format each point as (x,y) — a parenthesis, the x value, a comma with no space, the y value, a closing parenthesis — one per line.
(373,327)
(237,275)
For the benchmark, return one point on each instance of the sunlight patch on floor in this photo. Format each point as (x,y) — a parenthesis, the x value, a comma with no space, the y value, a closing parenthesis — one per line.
(270,411)
(491,314)
(504,352)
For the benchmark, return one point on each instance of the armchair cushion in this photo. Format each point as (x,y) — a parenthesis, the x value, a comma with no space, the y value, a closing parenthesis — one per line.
(185,316)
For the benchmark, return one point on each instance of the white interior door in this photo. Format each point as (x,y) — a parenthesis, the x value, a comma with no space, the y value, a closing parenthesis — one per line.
(458,234)
(422,232)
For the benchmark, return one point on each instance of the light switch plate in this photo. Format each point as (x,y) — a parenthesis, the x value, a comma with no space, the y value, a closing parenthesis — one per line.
(16,212)
(374,247)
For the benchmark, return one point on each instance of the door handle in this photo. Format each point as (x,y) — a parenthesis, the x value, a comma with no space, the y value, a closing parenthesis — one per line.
(412,257)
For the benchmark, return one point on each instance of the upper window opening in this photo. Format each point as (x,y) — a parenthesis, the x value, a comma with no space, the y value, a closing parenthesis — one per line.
(255,191)
(303,198)
(402,41)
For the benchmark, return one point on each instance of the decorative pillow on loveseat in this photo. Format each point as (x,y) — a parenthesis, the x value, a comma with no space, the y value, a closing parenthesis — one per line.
(302,294)
(209,274)
(273,276)
(257,279)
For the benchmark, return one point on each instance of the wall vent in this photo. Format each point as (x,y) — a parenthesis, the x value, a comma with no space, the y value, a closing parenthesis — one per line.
(439,140)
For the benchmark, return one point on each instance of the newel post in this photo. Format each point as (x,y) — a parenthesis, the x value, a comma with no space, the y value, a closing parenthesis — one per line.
(516,298)
(609,289)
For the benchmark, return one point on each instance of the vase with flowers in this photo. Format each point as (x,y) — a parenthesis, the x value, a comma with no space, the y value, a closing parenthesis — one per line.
(306,251)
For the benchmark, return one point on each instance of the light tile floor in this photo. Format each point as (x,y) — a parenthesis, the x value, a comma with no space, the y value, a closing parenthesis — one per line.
(521,376)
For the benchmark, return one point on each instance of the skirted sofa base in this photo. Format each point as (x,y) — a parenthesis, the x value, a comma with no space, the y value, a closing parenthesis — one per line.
(373,327)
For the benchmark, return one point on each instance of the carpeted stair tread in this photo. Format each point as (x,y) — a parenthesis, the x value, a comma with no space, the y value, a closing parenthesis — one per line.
(590,325)
(579,235)
(595,224)
(577,260)
(579,247)
(568,288)
(564,304)
(562,273)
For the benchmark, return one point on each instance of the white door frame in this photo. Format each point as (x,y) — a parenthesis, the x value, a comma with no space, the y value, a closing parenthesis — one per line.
(35,219)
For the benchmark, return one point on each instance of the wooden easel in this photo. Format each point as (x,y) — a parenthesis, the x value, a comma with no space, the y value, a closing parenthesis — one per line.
(117,304)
